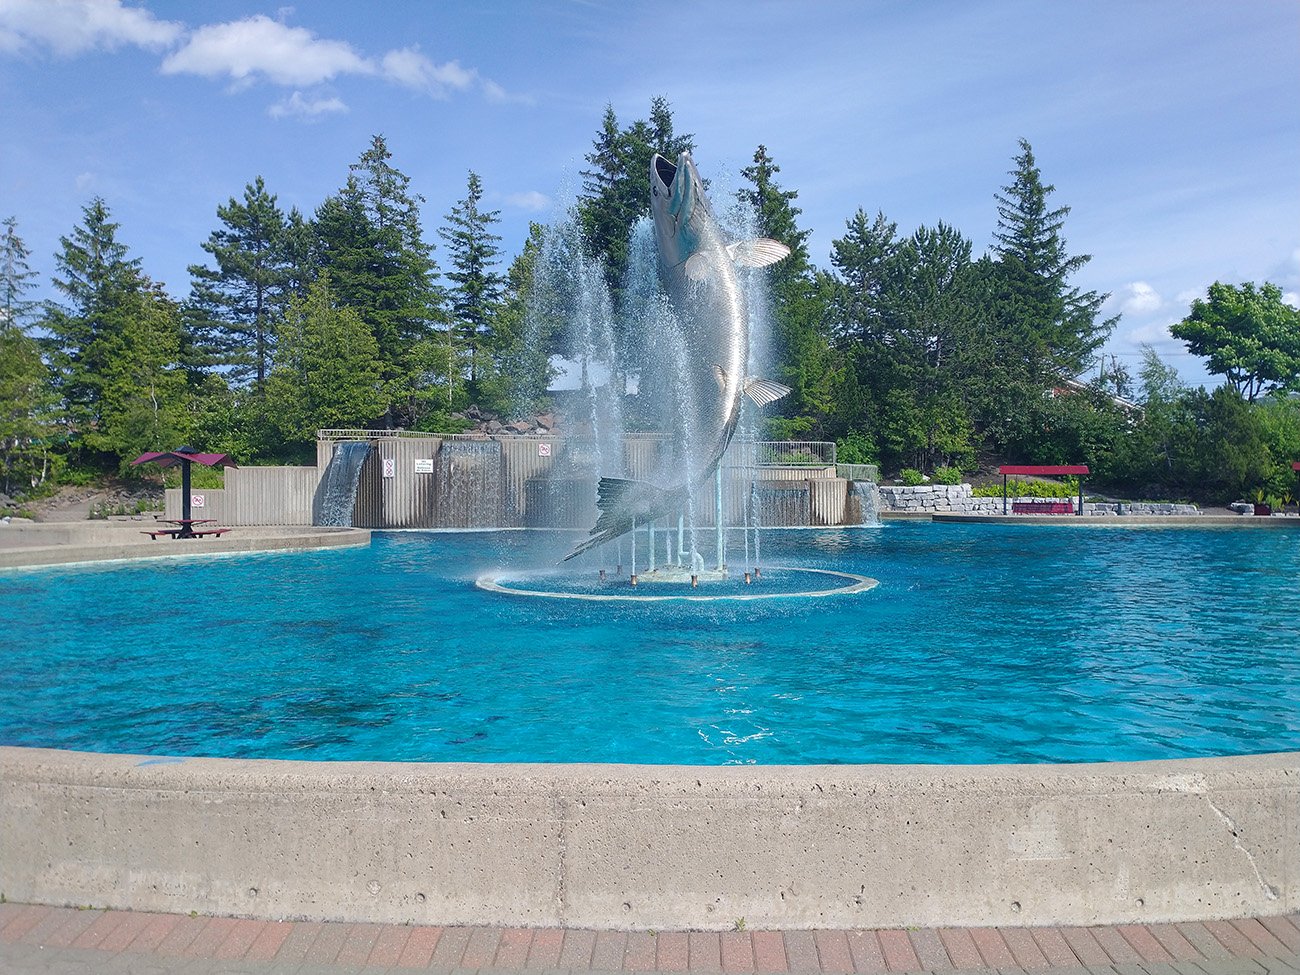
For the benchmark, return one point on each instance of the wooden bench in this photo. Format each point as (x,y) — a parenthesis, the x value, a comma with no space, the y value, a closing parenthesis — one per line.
(1042,507)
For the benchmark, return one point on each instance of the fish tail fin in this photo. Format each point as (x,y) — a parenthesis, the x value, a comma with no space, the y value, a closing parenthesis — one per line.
(622,502)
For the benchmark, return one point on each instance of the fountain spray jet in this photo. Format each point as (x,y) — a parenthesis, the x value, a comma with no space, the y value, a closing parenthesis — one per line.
(698,271)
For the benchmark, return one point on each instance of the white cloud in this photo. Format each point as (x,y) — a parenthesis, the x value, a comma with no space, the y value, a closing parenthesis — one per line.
(530,200)
(305,107)
(70,27)
(1292,298)
(1153,333)
(1139,298)
(261,47)
(85,181)
(1185,298)
(410,68)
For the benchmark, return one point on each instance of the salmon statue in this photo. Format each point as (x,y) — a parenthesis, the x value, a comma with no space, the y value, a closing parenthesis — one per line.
(697,268)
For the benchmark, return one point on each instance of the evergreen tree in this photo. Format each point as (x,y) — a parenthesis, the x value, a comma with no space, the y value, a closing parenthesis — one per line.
(863,260)
(327,370)
(97,279)
(804,359)
(616,190)
(143,397)
(16,278)
(472,255)
(369,238)
(1052,327)
(243,295)
(25,402)
(114,346)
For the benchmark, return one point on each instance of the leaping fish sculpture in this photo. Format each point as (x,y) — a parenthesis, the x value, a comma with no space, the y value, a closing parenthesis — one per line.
(698,270)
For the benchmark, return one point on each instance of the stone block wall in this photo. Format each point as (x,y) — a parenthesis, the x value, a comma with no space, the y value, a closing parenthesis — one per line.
(958,499)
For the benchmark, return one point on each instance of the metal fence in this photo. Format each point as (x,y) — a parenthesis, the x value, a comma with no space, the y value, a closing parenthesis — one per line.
(858,472)
(742,453)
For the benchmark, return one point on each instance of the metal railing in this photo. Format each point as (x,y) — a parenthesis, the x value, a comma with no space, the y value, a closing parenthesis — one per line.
(858,472)
(754,453)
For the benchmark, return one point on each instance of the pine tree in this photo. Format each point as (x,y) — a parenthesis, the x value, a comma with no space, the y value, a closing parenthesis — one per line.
(25,401)
(327,371)
(1053,325)
(369,238)
(801,349)
(114,345)
(472,254)
(97,280)
(240,299)
(616,190)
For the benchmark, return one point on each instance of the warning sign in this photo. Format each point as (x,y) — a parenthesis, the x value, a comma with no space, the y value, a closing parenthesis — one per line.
(424,466)
(543,450)
(390,467)
(198,501)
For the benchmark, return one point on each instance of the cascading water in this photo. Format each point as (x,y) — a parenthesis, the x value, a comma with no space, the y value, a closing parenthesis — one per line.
(339,498)
(469,484)
(866,495)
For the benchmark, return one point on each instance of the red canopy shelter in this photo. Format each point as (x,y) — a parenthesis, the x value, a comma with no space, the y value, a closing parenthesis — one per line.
(1043,470)
(184,456)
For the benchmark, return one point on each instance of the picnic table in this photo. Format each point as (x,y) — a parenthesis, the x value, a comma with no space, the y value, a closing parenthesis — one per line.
(185,528)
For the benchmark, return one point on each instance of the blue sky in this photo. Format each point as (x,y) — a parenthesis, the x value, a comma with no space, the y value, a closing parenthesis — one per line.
(1171,129)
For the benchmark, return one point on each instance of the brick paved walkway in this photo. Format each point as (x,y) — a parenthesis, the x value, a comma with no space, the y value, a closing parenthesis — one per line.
(53,941)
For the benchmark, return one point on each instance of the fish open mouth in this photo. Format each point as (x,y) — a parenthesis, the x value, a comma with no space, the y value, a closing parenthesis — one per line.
(665,170)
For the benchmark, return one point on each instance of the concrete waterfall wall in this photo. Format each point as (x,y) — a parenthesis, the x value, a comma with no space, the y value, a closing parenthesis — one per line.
(654,846)
(255,496)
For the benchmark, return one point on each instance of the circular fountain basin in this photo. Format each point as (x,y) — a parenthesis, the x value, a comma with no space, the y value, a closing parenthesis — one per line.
(676,585)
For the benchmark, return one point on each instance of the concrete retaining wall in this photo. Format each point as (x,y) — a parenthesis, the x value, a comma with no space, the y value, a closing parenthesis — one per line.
(651,846)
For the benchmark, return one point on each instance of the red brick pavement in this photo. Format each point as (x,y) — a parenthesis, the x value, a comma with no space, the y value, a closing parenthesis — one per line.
(416,947)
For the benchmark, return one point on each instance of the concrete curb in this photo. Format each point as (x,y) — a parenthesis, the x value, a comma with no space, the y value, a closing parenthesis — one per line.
(66,546)
(655,847)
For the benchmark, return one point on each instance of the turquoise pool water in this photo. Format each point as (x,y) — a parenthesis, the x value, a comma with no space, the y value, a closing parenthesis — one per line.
(982,643)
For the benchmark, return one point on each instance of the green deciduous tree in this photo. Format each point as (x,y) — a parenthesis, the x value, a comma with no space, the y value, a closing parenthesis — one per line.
(1249,336)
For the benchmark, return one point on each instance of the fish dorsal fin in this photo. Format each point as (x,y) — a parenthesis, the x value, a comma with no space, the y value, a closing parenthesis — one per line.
(720,375)
(759,252)
(764,391)
(698,267)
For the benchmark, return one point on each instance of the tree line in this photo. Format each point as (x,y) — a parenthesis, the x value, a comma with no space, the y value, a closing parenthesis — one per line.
(909,350)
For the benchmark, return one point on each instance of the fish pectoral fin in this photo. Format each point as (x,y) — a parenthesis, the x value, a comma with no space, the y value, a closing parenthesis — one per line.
(612,491)
(698,267)
(760,252)
(764,391)
(720,375)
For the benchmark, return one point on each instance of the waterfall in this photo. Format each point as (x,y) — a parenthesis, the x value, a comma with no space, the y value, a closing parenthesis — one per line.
(866,496)
(341,476)
(469,484)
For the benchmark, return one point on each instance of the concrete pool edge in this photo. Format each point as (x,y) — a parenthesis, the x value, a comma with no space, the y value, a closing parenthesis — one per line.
(78,543)
(655,847)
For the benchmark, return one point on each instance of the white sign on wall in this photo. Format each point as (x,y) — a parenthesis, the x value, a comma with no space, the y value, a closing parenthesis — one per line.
(543,450)
(424,466)
(198,501)
(390,467)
